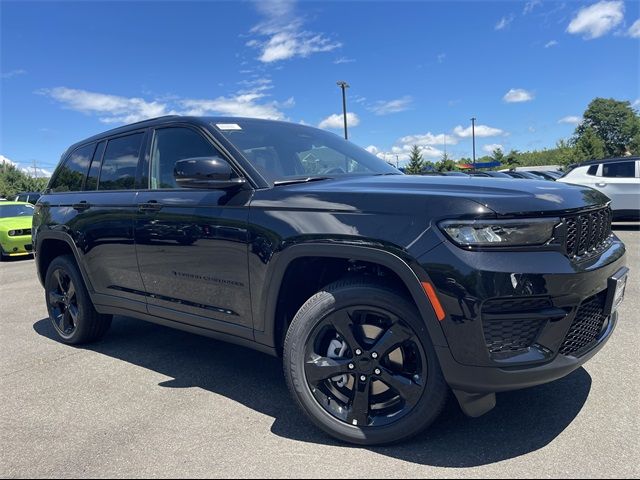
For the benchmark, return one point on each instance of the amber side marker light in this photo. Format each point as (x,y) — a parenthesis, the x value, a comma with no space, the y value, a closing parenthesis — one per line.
(433,298)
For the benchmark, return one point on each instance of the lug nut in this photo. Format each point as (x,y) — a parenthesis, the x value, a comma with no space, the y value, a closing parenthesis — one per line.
(374,355)
(358,351)
(351,366)
(378,371)
(363,378)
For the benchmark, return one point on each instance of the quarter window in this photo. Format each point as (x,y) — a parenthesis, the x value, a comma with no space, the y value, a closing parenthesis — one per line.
(593,170)
(71,175)
(173,144)
(94,170)
(619,169)
(120,163)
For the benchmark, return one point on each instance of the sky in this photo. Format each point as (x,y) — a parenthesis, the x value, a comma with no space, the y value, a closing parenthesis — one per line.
(417,71)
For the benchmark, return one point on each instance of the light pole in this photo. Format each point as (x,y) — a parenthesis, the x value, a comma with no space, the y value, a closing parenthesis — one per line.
(473,134)
(344,85)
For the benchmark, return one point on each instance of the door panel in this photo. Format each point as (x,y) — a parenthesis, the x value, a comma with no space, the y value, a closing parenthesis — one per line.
(192,253)
(192,244)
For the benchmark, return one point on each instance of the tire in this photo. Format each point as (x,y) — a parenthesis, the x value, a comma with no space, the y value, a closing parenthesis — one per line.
(340,419)
(72,314)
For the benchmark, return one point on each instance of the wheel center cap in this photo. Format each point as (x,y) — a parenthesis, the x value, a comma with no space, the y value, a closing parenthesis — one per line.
(366,365)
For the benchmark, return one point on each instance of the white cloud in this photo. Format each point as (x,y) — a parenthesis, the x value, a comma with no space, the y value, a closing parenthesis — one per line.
(336,121)
(280,36)
(570,119)
(113,108)
(441,57)
(489,148)
(518,95)
(530,6)
(597,20)
(504,22)
(392,106)
(481,131)
(429,139)
(249,102)
(341,60)
(13,73)
(550,44)
(39,172)
(634,31)
(636,103)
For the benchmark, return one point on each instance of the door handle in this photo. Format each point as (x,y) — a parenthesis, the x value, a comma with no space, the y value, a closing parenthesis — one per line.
(151,206)
(601,184)
(82,206)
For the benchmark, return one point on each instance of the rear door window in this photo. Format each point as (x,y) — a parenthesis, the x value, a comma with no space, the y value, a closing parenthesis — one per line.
(120,163)
(94,170)
(619,170)
(71,175)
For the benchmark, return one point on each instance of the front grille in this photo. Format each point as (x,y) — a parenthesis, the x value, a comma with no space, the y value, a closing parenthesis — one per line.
(522,304)
(587,233)
(510,336)
(586,326)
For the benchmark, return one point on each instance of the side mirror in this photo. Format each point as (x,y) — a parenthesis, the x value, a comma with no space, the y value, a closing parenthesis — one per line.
(206,172)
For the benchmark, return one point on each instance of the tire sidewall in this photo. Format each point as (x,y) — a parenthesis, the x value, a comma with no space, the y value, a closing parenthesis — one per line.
(84,304)
(303,326)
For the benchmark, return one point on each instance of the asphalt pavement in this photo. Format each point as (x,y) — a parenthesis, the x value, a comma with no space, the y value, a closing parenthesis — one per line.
(148,401)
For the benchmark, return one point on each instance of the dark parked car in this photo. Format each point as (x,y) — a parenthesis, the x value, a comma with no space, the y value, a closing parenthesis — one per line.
(382,291)
(30,197)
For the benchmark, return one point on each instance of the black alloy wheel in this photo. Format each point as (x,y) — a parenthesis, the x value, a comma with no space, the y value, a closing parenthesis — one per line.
(365,366)
(63,303)
(360,363)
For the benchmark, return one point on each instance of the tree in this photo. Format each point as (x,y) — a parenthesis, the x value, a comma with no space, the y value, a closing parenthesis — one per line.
(13,180)
(615,122)
(446,164)
(589,146)
(512,159)
(498,155)
(416,163)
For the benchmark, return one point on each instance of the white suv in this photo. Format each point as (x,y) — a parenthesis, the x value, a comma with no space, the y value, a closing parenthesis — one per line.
(618,178)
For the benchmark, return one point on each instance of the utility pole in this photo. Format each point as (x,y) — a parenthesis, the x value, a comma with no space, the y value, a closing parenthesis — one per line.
(35,169)
(473,134)
(344,85)
(397,161)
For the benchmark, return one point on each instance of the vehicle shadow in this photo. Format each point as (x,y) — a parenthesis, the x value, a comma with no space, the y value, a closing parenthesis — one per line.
(522,422)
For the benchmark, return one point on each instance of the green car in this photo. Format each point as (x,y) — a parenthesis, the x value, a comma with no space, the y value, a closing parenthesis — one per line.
(15,228)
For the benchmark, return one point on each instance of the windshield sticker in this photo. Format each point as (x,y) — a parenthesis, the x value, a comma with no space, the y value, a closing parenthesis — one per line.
(228,126)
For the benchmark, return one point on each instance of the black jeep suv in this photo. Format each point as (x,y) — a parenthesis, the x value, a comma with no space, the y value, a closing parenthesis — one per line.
(382,291)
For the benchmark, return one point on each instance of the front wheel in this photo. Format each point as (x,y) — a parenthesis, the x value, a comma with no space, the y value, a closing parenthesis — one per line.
(360,363)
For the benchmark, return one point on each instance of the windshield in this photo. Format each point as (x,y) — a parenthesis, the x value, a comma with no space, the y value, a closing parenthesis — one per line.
(281,151)
(7,211)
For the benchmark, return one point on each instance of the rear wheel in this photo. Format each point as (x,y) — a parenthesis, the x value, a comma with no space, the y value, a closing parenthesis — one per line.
(70,308)
(360,363)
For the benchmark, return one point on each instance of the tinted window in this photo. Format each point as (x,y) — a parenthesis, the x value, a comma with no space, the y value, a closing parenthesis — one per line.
(619,169)
(72,173)
(171,145)
(94,170)
(21,198)
(593,169)
(280,150)
(120,163)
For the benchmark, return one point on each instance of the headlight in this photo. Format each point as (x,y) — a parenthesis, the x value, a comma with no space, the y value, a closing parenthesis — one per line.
(19,232)
(496,233)
(13,233)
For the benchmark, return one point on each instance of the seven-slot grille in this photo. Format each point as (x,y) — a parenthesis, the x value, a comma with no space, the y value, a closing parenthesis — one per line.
(587,232)
(586,326)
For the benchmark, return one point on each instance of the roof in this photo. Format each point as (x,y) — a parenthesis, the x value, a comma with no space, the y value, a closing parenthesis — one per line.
(165,119)
(7,202)
(607,160)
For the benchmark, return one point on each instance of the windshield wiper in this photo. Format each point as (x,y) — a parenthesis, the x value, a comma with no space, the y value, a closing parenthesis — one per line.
(291,181)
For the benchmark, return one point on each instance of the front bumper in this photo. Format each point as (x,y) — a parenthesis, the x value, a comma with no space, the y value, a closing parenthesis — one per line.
(16,246)
(492,345)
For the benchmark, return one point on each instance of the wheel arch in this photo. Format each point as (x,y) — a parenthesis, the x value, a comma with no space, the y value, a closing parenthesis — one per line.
(400,267)
(51,244)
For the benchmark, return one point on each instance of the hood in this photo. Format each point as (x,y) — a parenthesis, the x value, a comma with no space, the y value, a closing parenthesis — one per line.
(12,223)
(502,195)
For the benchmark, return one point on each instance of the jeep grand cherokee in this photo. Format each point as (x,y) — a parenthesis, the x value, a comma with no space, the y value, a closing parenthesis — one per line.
(382,291)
